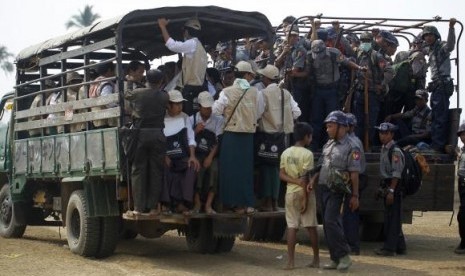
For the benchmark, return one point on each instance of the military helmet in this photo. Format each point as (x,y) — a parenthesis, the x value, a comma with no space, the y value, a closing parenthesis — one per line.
(366,37)
(461,129)
(193,23)
(430,30)
(351,119)
(337,117)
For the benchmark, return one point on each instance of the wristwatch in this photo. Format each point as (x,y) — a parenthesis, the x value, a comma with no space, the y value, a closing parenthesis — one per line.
(391,190)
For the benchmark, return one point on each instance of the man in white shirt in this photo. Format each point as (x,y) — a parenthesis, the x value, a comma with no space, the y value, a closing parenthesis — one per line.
(194,62)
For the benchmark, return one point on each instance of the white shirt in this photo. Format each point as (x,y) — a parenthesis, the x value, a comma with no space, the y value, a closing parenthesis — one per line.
(187,47)
(175,124)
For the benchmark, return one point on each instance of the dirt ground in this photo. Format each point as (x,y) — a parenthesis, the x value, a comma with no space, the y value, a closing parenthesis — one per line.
(430,243)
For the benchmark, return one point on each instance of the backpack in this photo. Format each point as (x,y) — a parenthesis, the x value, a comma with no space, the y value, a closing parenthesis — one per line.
(402,76)
(411,175)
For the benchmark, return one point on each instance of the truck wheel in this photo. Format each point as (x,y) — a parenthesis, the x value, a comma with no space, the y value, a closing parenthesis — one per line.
(9,227)
(109,236)
(83,231)
(199,236)
(276,229)
(225,244)
(372,231)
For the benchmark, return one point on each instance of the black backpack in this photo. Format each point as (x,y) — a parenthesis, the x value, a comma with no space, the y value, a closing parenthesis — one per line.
(411,175)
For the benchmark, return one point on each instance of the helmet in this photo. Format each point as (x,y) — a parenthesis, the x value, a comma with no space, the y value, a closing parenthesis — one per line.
(331,32)
(389,37)
(322,34)
(351,119)
(430,30)
(366,37)
(337,117)
(193,23)
(461,129)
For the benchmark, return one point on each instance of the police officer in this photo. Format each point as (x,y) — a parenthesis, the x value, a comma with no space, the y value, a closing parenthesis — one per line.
(391,165)
(351,218)
(441,86)
(340,157)
(460,249)
(323,70)
(379,74)
(149,107)
(420,121)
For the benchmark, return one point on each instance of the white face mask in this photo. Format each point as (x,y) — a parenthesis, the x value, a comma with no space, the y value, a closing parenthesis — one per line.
(365,46)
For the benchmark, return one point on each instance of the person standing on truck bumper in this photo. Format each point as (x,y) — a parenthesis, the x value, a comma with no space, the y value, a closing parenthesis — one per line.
(391,173)
(194,61)
(460,249)
(148,114)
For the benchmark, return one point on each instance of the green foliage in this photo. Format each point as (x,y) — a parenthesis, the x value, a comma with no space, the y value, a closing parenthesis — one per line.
(5,64)
(85,18)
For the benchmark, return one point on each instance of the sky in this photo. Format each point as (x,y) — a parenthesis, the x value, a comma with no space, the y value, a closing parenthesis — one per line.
(27,22)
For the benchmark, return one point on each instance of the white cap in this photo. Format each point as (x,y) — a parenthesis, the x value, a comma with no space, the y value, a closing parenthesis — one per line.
(193,23)
(244,66)
(176,96)
(205,99)
(270,71)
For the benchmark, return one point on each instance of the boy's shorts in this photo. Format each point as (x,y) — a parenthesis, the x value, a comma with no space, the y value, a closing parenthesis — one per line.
(293,203)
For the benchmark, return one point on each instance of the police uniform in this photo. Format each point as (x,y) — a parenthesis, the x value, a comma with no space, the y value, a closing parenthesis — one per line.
(461,189)
(380,73)
(351,219)
(420,123)
(441,87)
(392,168)
(323,69)
(342,155)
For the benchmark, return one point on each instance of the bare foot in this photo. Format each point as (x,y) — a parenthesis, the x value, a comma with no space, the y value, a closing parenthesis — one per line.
(289,267)
(314,264)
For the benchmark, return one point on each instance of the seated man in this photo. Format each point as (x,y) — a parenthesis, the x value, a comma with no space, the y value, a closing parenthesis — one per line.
(420,121)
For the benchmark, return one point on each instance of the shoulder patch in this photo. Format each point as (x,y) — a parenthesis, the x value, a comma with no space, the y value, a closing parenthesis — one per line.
(395,158)
(356,155)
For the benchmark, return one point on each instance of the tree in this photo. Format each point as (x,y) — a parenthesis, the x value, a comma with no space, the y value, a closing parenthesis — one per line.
(85,18)
(5,64)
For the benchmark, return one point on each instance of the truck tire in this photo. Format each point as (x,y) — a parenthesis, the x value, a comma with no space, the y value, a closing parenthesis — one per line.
(199,237)
(109,236)
(9,227)
(225,244)
(83,232)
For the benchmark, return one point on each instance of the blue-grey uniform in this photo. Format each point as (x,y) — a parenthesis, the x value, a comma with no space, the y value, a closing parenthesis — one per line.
(442,86)
(379,74)
(351,219)
(323,69)
(394,241)
(345,156)
(461,189)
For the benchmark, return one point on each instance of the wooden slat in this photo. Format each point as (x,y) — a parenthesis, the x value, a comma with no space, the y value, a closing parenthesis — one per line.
(61,107)
(77,118)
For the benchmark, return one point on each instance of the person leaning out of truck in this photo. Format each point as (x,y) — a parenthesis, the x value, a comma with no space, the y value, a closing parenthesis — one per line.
(181,163)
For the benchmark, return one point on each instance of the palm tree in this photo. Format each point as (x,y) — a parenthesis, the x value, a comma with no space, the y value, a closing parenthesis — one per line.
(85,18)
(5,64)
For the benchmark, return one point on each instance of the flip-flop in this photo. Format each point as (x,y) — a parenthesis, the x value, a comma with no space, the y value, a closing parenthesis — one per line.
(210,212)
(250,210)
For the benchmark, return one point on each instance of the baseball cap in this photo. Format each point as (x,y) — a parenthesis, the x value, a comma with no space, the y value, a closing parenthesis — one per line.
(244,66)
(205,99)
(176,96)
(72,76)
(270,71)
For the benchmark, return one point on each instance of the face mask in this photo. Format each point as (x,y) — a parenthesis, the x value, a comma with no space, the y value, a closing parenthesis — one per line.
(365,47)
